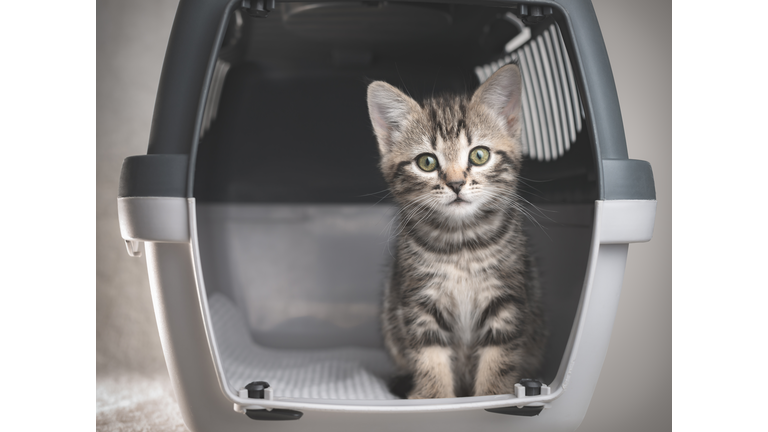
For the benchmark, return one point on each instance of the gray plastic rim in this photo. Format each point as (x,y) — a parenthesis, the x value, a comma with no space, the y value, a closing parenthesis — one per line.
(176,126)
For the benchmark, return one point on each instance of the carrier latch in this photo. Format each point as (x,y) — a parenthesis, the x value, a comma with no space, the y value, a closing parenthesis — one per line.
(258,8)
(526,411)
(533,14)
(531,387)
(526,387)
(262,390)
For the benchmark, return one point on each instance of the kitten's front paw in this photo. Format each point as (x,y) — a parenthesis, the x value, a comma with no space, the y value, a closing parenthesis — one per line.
(493,392)
(430,395)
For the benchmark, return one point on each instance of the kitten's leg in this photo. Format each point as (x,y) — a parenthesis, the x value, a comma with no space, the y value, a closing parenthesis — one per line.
(497,370)
(501,355)
(392,329)
(433,377)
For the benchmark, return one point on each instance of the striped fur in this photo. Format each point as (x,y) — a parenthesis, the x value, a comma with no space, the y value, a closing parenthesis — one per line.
(462,313)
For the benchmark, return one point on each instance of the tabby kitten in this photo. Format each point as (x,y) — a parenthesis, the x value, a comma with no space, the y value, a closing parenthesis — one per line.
(462,312)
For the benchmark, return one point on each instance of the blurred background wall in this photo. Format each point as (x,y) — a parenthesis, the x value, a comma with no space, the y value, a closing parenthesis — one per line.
(634,392)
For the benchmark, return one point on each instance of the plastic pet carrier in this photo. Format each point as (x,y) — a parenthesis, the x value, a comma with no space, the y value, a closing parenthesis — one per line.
(267,230)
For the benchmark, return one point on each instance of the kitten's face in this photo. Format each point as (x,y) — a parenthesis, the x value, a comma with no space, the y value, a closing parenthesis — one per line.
(455,156)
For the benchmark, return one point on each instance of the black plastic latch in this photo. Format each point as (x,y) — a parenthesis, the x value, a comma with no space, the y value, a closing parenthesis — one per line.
(256,391)
(526,411)
(532,386)
(275,414)
(258,8)
(533,14)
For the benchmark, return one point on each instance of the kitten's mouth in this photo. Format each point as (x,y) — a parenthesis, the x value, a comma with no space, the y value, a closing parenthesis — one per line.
(457,201)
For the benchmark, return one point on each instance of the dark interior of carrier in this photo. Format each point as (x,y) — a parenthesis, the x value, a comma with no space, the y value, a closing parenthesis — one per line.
(294,224)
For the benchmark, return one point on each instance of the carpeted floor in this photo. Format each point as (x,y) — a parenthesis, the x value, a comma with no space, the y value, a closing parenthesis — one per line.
(133,390)
(136,403)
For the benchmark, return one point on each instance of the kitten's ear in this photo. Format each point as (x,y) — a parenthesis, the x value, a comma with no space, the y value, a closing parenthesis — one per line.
(388,108)
(501,94)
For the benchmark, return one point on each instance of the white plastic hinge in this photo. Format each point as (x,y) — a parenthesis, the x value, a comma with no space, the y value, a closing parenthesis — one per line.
(268,395)
(243,393)
(519,390)
(133,248)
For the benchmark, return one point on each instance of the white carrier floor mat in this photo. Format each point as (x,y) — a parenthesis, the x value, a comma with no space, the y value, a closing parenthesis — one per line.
(338,373)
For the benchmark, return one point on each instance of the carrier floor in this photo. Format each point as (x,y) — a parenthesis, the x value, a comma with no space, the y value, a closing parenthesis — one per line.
(339,373)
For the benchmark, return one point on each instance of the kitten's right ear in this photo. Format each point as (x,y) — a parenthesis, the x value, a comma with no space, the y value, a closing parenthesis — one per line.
(501,94)
(388,108)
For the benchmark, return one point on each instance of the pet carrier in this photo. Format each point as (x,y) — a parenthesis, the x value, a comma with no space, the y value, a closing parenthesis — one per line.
(265,230)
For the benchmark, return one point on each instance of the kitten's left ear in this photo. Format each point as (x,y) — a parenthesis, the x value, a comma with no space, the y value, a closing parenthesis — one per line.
(501,95)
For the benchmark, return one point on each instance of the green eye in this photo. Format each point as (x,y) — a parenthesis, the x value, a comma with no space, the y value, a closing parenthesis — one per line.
(427,162)
(479,155)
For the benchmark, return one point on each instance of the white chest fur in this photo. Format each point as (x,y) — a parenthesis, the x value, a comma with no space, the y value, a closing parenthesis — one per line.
(463,295)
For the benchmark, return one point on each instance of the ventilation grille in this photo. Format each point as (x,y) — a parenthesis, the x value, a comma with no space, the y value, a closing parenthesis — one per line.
(552,111)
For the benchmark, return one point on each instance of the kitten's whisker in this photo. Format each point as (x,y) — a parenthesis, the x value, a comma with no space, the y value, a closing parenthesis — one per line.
(528,189)
(530,217)
(410,216)
(432,210)
(380,200)
(419,202)
(374,193)
(535,207)
(509,201)
(390,236)
(513,197)
(532,180)
(401,210)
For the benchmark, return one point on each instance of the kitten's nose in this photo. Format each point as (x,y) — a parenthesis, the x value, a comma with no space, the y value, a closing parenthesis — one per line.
(456,185)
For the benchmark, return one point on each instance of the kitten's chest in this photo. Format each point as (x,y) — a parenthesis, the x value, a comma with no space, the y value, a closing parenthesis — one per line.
(463,296)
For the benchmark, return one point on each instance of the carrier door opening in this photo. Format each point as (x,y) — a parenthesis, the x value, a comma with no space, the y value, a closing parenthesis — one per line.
(294,222)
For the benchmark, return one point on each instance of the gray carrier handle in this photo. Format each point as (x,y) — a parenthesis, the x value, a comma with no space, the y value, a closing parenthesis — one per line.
(188,68)
(166,172)
(154,188)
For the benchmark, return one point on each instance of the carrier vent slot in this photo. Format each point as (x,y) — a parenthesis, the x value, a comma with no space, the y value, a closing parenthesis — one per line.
(552,109)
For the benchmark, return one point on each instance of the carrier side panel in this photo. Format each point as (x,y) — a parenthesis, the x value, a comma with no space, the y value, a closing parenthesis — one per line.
(181,80)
